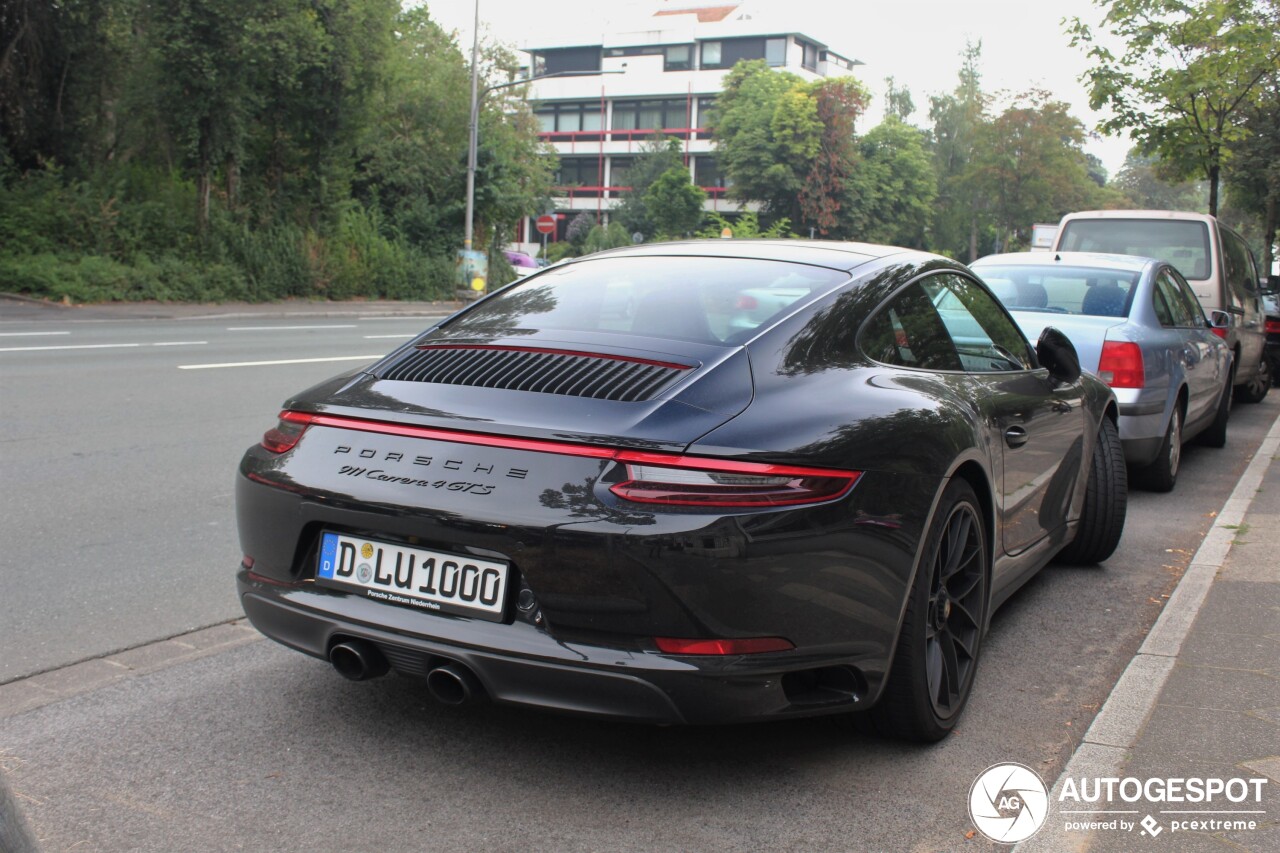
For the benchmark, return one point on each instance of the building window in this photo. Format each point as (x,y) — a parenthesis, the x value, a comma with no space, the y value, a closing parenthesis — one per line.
(705,106)
(651,115)
(775,51)
(728,52)
(706,172)
(570,116)
(578,172)
(620,171)
(679,57)
(810,58)
(568,59)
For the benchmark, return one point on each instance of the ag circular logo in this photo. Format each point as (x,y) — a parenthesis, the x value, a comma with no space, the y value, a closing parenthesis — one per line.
(1008,803)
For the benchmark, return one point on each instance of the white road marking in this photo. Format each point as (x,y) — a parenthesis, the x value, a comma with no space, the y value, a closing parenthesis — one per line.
(284,328)
(103,346)
(29,334)
(375,337)
(68,346)
(363,317)
(281,361)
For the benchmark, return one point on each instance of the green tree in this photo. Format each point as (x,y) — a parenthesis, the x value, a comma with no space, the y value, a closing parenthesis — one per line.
(1253,170)
(767,134)
(896,186)
(658,155)
(1187,73)
(1029,163)
(674,204)
(958,119)
(1143,183)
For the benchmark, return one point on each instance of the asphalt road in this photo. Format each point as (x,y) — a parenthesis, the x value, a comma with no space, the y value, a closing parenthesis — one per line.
(118,528)
(117,453)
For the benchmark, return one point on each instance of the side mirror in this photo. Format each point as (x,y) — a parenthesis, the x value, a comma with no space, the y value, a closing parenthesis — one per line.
(1219,319)
(1056,352)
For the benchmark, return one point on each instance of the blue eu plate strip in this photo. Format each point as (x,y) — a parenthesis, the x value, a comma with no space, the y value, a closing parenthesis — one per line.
(328,555)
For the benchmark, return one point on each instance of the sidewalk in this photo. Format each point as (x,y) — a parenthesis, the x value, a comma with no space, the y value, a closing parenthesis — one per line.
(17,308)
(1217,714)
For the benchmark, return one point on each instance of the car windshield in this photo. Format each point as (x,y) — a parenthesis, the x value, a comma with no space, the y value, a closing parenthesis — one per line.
(703,299)
(1062,290)
(1183,243)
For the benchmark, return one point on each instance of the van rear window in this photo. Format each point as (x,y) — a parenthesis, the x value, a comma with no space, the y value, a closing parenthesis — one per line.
(1183,243)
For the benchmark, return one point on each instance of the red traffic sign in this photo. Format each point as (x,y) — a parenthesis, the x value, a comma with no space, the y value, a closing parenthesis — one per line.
(546,224)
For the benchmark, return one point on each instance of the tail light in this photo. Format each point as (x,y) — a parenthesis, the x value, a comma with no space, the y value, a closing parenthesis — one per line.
(1273,326)
(651,478)
(1221,331)
(751,645)
(1121,364)
(285,434)
(747,302)
(687,481)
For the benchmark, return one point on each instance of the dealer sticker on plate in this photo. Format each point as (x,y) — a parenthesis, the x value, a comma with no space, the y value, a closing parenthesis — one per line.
(428,580)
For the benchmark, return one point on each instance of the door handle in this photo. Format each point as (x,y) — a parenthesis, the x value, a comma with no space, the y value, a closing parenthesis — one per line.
(1015,436)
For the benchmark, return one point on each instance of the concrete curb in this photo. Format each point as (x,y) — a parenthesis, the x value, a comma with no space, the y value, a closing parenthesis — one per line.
(45,688)
(1120,721)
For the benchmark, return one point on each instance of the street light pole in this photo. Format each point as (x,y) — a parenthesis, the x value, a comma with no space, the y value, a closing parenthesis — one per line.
(474,130)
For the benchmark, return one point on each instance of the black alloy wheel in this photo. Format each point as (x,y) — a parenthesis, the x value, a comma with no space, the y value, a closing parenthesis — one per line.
(938,646)
(956,595)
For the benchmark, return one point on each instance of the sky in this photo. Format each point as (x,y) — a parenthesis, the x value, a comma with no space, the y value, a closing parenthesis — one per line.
(917,43)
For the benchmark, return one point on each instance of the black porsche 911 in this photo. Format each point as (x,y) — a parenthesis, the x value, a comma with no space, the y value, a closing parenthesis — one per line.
(687,483)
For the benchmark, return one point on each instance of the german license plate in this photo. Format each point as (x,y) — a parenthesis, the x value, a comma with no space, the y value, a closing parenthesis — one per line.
(415,577)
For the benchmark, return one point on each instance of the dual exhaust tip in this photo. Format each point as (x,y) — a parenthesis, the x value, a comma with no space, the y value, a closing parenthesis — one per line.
(450,683)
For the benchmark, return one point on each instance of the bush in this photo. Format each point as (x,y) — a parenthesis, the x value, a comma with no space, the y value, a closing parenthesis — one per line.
(93,278)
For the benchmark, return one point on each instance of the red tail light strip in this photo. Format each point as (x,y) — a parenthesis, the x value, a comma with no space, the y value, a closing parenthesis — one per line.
(804,485)
(671,365)
(748,646)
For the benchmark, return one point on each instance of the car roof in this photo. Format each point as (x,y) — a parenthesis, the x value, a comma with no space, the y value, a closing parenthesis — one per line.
(1104,260)
(1138,214)
(836,255)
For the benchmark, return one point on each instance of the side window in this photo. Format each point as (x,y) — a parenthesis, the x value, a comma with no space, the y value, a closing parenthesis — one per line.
(985,338)
(909,333)
(1237,262)
(1160,302)
(1168,289)
(1194,308)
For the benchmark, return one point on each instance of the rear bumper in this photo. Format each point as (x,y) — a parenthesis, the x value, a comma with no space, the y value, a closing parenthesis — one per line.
(518,664)
(1143,421)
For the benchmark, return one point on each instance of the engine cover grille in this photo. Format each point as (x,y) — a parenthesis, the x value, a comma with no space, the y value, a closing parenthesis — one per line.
(543,371)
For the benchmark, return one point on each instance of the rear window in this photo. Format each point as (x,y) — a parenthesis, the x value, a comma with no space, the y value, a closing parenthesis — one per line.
(1062,290)
(1183,243)
(706,300)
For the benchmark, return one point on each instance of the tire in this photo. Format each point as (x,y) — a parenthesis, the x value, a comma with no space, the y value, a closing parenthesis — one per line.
(937,650)
(1162,474)
(1106,501)
(1216,434)
(1256,388)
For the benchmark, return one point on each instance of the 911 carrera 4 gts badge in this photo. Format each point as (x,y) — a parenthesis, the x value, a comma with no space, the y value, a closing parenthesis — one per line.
(366,551)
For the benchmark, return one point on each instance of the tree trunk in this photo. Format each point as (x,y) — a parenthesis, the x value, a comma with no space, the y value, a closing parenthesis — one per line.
(1269,234)
(1214,172)
(204,183)
(973,239)
(233,181)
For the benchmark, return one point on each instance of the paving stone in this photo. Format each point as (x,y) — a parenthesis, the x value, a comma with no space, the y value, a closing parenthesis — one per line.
(218,635)
(23,696)
(152,655)
(79,677)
